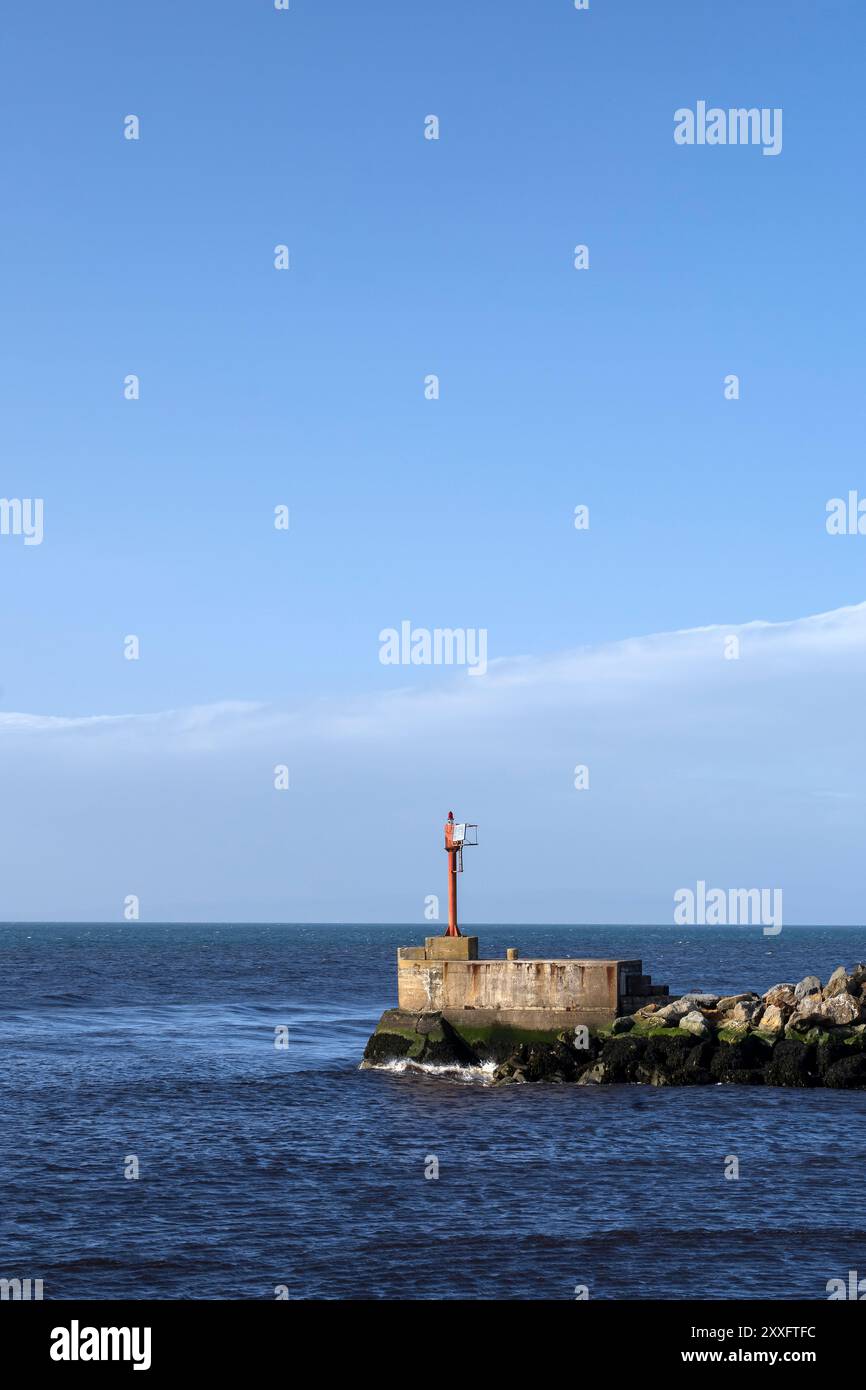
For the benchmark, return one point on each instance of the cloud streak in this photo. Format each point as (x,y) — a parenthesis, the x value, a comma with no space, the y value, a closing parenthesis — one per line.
(617,670)
(745,771)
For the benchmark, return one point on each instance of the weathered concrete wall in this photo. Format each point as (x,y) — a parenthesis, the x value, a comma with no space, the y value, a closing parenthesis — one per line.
(451,948)
(442,948)
(594,988)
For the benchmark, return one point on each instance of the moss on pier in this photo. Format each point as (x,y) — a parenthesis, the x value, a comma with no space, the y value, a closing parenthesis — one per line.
(636,1050)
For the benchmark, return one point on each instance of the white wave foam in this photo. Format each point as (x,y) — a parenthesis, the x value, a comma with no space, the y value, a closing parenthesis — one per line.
(482,1072)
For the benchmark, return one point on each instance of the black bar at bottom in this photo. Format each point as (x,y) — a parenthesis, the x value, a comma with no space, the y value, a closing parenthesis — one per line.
(166,1338)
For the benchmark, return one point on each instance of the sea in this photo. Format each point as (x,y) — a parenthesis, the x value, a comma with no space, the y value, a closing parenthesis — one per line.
(184,1117)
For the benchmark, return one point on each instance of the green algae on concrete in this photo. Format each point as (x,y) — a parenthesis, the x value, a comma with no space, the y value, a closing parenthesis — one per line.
(636,1048)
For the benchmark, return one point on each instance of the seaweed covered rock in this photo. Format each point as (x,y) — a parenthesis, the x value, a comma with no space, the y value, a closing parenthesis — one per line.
(792,1063)
(621,1057)
(384,1047)
(797,1036)
(427,1039)
(742,1061)
(676,1059)
(544,1061)
(847,1073)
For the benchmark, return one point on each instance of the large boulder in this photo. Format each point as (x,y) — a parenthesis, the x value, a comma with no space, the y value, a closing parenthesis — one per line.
(835,1046)
(537,1060)
(857,977)
(696,1066)
(807,1009)
(841,1009)
(791,1064)
(621,1057)
(675,1059)
(425,1039)
(810,984)
(384,1047)
(509,1073)
(782,996)
(696,1024)
(815,1034)
(670,1015)
(729,1001)
(848,1073)
(741,1062)
(835,1012)
(746,1011)
(593,1076)
(546,1062)
(441,1045)
(646,1013)
(625,1024)
(839,983)
(772,1019)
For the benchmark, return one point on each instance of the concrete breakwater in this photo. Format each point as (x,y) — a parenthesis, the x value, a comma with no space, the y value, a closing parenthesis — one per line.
(446,975)
(595,1022)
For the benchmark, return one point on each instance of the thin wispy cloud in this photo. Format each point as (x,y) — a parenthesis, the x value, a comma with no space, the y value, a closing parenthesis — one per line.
(702,764)
(631,667)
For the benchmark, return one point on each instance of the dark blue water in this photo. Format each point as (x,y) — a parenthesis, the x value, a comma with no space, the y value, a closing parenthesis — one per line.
(262,1167)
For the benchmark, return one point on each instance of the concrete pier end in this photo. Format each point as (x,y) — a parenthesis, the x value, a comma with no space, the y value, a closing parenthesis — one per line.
(446,976)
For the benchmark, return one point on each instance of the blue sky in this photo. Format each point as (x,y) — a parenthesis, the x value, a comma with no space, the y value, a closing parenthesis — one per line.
(558,387)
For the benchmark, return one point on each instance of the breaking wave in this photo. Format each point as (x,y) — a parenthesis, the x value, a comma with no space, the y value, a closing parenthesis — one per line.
(482,1072)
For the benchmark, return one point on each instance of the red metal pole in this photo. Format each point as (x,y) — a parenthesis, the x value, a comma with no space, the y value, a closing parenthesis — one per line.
(453,929)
